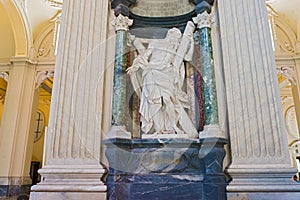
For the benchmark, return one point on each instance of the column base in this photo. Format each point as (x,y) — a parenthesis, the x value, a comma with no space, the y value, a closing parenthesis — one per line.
(68,195)
(267,178)
(211,131)
(266,182)
(118,132)
(263,196)
(70,182)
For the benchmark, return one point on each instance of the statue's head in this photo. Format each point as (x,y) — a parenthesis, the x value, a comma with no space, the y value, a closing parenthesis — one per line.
(173,36)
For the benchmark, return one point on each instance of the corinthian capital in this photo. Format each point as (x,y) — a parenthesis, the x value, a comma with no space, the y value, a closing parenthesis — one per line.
(203,20)
(122,22)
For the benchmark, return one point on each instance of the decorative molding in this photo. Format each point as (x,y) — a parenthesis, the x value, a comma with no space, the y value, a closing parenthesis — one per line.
(122,22)
(272,13)
(286,101)
(19,19)
(4,75)
(284,37)
(24,4)
(291,122)
(2,99)
(45,45)
(203,20)
(287,72)
(42,76)
(45,101)
(55,3)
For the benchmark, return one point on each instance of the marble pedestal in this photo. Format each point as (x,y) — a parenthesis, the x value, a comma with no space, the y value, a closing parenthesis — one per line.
(165,168)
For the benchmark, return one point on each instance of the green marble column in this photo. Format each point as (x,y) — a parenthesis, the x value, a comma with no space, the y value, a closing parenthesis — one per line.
(208,72)
(119,89)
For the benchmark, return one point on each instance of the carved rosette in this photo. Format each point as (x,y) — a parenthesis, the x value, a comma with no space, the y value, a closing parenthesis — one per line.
(203,20)
(122,23)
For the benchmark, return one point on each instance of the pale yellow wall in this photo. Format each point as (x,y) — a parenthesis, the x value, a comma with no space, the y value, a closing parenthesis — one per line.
(7,45)
(11,45)
(38,146)
(3,87)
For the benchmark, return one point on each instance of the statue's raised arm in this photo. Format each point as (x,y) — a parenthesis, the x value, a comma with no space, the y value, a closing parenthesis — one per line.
(186,47)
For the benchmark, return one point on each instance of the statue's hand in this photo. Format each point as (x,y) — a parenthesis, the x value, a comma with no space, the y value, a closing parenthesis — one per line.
(132,69)
(130,39)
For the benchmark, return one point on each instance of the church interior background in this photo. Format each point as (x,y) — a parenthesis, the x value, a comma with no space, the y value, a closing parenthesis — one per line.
(30,32)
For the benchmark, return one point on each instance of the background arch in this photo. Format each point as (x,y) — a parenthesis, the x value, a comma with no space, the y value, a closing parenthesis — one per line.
(20,26)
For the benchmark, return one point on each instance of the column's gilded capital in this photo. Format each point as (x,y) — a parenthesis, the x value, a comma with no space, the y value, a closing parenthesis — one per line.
(203,20)
(122,22)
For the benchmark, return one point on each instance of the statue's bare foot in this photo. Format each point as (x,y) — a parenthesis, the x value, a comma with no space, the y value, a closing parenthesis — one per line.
(178,131)
(169,131)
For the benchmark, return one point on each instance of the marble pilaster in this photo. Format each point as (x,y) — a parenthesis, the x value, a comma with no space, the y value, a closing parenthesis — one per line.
(259,149)
(296,89)
(72,168)
(16,135)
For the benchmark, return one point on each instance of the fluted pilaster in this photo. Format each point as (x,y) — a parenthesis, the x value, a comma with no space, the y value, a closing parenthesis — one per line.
(16,132)
(260,157)
(74,133)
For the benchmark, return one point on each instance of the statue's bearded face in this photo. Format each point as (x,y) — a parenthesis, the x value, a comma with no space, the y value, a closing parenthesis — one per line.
(173,36)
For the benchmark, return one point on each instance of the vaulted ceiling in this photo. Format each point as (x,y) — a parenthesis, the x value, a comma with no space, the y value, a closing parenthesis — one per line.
(288,12)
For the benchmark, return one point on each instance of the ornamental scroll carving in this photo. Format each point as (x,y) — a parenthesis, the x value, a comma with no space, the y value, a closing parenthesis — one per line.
(42,76)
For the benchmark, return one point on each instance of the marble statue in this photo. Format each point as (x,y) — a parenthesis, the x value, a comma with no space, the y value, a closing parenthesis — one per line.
(157,75)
